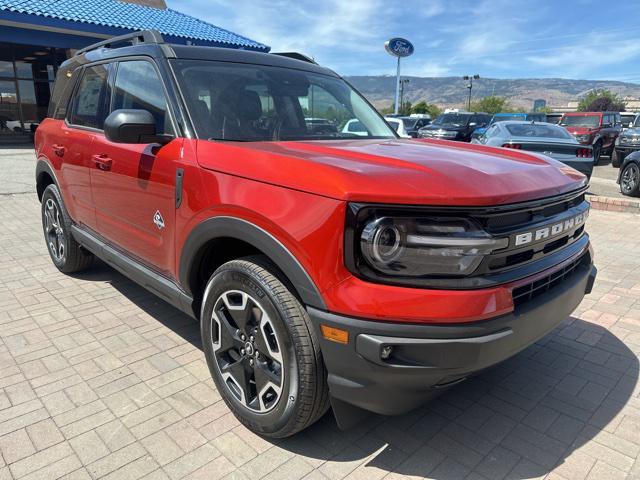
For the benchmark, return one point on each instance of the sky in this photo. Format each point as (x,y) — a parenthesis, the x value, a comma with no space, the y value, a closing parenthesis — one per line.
(493,38)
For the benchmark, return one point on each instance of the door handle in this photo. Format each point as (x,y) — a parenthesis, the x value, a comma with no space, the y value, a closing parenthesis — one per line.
(103,162)
(58,149)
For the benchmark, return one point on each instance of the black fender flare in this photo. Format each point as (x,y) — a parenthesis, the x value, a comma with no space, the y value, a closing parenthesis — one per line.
(233,227)
(43,167)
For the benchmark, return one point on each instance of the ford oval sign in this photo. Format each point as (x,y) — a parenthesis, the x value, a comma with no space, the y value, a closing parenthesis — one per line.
(399,47)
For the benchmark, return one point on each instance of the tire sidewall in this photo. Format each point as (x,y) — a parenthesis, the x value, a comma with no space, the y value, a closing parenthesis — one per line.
(52,193)
(235,278)
(636,188)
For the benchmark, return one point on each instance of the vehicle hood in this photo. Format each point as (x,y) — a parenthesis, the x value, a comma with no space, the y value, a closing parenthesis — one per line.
(631,132)
(445,126)
(422,172)
(581,130)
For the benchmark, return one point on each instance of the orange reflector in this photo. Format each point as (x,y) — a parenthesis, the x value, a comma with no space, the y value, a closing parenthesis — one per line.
(335,334)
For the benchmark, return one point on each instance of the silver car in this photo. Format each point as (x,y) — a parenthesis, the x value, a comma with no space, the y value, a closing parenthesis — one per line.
(544,138)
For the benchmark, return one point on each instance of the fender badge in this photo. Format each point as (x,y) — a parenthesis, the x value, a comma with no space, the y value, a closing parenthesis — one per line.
(158,220)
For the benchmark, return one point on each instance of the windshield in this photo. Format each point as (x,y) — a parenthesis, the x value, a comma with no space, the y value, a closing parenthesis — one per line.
(251,103)
(504,118)
(580,121)
(538,130)
(457,119)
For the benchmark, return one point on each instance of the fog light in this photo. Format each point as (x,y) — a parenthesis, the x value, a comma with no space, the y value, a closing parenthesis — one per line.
(386,352)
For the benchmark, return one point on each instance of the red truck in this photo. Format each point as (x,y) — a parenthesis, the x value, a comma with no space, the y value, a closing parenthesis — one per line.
(361,272)
(599,129)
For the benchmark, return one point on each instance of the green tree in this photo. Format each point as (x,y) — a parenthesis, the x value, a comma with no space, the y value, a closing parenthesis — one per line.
(601,101)
(491,104)
(424,107)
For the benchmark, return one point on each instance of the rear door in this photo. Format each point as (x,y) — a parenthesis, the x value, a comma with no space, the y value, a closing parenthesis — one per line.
(84,120)
(134,185)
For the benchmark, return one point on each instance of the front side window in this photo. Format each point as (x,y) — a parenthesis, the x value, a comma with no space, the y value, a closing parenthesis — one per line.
(90,103)
(236,102)
(139,87)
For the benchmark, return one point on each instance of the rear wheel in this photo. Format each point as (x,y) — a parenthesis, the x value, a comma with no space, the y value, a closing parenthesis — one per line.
(630,180)
(67,254)
(261,349)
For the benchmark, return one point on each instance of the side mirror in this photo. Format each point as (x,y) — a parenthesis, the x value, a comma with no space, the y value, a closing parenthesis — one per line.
(133,126)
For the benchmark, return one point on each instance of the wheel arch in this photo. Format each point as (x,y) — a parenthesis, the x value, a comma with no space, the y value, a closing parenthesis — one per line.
(221,239)
(633,157)
(45,176)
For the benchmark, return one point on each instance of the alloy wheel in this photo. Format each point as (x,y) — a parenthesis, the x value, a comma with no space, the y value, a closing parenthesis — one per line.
(53,229)
(630,178)
(247,351)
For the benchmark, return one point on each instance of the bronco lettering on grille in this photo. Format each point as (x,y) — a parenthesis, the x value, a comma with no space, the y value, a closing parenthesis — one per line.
(550,230)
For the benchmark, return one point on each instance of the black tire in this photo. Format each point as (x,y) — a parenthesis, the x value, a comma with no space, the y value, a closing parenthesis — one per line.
(303,395)
(616,159)
(597,152)
(67,254)
(630,180)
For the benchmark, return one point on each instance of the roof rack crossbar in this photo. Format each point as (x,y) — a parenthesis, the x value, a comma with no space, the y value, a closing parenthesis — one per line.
(296,56)
(144,36)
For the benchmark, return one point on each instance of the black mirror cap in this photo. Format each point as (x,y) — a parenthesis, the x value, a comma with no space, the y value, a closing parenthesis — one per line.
(133,126)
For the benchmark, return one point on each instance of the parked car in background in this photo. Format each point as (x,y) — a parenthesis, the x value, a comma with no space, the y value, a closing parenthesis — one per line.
(554,117)
(355,127)
(627,142)
(627,119)
(544,138)
(398,125)
(455,126)
(629,176)
(410,125)
(598,129)
(503,117)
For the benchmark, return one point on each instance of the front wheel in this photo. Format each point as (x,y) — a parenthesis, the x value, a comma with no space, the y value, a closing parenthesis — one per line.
(616,159)
(630,180)
(261,349)
(597,151)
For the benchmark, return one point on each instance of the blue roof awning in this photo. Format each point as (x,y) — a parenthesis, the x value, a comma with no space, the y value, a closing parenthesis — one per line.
(117,17)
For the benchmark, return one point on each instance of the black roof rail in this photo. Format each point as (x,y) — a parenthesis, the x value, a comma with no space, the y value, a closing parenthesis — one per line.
(134,38)
(296,56)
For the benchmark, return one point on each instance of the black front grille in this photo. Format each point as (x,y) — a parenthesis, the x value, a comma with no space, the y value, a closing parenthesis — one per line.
(528,292)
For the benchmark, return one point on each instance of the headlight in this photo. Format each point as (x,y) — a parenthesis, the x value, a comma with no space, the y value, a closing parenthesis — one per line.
(403,245)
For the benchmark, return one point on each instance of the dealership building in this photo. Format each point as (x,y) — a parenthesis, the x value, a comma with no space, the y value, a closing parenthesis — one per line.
(36,36)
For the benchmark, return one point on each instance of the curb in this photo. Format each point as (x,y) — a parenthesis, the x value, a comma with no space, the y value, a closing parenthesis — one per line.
(611,204)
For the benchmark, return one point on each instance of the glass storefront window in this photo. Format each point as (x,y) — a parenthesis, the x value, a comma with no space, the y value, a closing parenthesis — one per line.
(9,115)
(6,61)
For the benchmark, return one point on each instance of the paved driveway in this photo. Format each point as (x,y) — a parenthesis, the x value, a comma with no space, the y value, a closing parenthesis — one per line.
(100,379)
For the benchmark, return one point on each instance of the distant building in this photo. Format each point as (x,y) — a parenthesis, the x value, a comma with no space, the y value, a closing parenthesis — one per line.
(539,104)
(36,36)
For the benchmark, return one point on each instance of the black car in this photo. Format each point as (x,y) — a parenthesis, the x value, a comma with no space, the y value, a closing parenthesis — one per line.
(629,176)
(455,126)
(627,142)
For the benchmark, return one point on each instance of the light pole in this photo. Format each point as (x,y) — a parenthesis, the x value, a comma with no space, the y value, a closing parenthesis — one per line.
(403,82)
(470,79)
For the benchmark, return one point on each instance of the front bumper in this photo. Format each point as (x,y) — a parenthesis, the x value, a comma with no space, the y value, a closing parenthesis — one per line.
(428,358)
(624,150)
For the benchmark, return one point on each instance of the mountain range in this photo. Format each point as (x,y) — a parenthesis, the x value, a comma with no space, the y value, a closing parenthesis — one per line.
(452,91)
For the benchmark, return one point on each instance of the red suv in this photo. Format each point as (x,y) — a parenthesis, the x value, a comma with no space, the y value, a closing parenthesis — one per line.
(361,272)
(600,129)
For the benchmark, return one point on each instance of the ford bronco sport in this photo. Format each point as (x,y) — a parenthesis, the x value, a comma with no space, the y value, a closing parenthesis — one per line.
(365,273)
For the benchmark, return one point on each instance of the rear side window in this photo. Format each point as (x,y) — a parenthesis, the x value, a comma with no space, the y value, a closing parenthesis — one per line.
(91,100)
(138,86)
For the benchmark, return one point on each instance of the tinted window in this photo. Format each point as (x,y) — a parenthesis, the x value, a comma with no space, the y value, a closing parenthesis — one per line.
(356,126)
(138,86)
(90,102)
(456,119)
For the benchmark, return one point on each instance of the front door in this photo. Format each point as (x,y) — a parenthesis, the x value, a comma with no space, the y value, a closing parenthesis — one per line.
(134,185)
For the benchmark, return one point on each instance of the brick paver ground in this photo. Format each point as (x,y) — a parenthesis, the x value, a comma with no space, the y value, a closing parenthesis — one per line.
(100,379)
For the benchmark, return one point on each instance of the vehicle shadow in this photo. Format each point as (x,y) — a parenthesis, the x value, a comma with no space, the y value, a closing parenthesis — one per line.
(520,419)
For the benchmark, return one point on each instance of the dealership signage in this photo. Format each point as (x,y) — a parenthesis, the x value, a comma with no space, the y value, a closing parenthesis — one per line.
(398,47)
